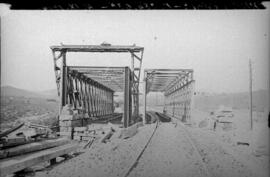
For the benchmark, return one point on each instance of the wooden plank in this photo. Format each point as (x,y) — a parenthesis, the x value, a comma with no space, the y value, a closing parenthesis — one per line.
(14,164)
(83,134)
(5,133)
(107,136)
(31,147)
(14,141)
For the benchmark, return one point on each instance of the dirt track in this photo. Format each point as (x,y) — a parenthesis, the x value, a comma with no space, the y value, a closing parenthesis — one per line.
(111,159)
(169,153)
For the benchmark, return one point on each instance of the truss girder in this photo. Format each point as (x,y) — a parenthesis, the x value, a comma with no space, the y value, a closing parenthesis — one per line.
(85,94)
(177,86)
(91,84)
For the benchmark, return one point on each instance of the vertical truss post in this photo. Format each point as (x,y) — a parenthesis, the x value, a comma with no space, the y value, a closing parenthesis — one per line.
(63,85)
(144,97)
(91,99)
(87,97)
(135,83)
(127,98)
(133,99)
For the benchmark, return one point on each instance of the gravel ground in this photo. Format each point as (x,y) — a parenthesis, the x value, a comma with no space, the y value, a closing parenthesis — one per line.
(111,159)
(224,160)
(169,153)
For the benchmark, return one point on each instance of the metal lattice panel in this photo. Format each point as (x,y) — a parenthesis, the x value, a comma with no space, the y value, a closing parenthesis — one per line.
(111,77)
(160,80)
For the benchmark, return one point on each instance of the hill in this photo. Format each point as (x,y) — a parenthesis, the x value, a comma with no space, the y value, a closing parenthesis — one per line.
(16,92)
(52,93)
(235,100)
(19,104)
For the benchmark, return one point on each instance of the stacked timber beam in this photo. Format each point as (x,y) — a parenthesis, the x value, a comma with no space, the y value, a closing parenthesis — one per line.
(94,131)
(19,162)
(73,123)
(83,134)
(29,144)
(32,147)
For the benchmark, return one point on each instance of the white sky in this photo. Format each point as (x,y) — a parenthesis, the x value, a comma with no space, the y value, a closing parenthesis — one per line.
(216,44)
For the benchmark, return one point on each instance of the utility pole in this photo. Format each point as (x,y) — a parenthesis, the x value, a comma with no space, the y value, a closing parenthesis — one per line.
(250,92)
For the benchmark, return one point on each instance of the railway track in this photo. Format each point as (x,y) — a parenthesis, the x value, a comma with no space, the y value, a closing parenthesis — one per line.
(197,152)
(160,117)
(151,114)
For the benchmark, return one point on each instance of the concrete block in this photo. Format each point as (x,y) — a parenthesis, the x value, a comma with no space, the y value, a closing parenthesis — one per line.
(129,131)
(65,129)
(80,129)
(70,123)
(66,117)
(67,110)
(75,137)
(69,134)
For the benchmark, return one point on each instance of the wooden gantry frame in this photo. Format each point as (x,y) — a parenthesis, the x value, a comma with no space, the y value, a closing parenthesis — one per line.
(177,86)
(91,88)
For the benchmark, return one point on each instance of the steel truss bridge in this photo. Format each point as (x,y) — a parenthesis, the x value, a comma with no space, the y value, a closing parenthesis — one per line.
(91,89)
(177,86)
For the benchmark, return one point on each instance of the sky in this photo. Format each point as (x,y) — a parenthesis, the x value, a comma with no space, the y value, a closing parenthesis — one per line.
(216,44)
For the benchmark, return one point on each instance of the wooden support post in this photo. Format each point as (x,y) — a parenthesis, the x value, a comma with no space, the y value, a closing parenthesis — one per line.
(127,100)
